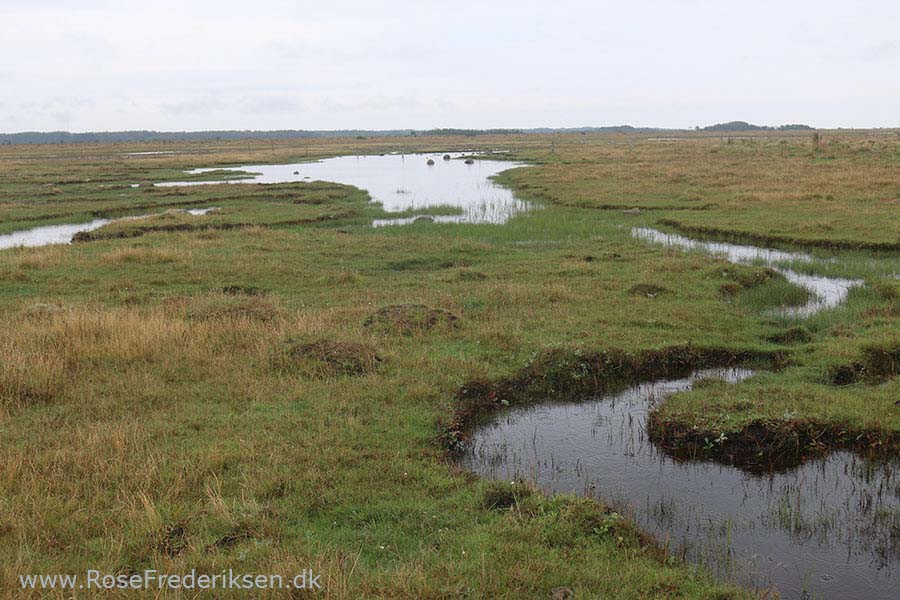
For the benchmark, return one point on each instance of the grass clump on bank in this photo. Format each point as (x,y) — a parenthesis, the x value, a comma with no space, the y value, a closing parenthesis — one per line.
(876,365)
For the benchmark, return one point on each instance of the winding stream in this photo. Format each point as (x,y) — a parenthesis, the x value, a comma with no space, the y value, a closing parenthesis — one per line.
(827,529)
(825,292)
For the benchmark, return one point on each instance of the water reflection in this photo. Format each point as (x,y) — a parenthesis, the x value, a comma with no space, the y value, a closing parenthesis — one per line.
(830,527)
(826,292)
(402,182)
(63,234)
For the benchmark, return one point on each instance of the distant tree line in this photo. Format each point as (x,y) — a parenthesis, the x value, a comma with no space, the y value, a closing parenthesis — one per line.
(65,137)
(449,131)
(745,126)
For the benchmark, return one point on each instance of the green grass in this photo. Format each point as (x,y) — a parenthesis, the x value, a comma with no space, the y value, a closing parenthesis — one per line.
(148,420)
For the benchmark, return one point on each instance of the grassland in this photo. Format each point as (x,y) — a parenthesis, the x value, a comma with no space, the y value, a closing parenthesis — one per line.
(214,392)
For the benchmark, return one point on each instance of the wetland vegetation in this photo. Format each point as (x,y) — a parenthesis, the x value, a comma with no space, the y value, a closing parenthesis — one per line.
(277,384)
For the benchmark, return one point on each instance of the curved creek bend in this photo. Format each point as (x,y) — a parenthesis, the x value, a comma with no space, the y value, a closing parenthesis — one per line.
(825,292)
(829,528)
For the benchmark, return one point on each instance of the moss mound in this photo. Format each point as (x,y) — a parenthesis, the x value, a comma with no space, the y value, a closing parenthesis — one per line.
(324,358)
(794,335)
(410,318)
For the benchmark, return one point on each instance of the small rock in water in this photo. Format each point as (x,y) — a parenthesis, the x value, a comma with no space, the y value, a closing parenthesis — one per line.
(296,172)
(424,219)
(446,157)
(631,211)
(469,161)
(430,162)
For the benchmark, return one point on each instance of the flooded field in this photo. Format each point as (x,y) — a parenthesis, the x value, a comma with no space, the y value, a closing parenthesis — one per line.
(825,292)
(402,182)
(827,529)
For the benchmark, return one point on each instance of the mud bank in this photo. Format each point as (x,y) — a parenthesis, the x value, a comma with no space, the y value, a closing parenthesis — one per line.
(763,446)
(826,528)
(566,375)
(571,374)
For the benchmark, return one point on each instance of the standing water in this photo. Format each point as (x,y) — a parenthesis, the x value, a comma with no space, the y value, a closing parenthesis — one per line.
(829,528)
(63,234)
(48,234)
(402,182)
(826,292)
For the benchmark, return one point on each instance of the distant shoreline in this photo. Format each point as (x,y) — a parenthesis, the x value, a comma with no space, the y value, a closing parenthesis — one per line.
(65,137)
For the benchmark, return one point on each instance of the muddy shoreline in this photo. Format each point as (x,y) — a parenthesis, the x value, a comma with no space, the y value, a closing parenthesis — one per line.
(826,526)
(565,375)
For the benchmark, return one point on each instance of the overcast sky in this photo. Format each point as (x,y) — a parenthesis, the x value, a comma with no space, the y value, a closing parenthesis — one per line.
(87,65)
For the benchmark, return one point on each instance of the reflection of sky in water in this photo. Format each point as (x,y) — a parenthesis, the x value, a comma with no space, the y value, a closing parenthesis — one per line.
(825,526)
(403,182)
(49,234)
(63,234)
(826,291)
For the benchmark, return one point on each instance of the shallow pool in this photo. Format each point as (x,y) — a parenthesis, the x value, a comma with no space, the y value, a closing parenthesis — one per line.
(402,182)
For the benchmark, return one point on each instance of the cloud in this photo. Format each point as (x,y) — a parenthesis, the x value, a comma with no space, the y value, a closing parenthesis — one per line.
(280,63)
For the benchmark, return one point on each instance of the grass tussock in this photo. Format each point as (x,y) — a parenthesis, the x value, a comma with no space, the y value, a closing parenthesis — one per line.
(877,364)
(648,290)
(407,319)
(326,358)
(776,293)
(500,495)
(793,335)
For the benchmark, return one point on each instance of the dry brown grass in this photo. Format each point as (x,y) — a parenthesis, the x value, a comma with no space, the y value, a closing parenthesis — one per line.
(39,355)
(41,258)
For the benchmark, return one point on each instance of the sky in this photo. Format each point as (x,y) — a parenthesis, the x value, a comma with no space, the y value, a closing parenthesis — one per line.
(97,65)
